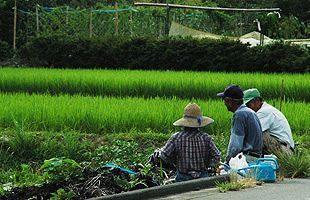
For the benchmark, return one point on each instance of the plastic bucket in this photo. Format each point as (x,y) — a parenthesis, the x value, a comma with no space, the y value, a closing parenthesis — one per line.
(264,170)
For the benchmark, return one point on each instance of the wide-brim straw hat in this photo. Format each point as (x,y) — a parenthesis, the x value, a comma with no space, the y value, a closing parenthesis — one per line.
(193,117)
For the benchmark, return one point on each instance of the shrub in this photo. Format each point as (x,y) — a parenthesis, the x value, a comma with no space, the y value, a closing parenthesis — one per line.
(163,54)
(6,51)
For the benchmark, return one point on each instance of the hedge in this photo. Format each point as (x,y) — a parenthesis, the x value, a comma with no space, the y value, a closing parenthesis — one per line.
(6,51)
(163,54)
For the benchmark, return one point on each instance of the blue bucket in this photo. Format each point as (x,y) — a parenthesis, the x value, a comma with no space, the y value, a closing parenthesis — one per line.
(263,170)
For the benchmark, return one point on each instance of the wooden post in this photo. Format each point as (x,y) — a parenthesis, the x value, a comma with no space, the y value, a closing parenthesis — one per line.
(131,22)
(91,23)
(167,19)
(116,17)
(14,28)
(37,19)
(67,15)
(185,18)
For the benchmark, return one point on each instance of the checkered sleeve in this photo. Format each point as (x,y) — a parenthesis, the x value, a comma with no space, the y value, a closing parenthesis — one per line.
(214,154)
(167,152)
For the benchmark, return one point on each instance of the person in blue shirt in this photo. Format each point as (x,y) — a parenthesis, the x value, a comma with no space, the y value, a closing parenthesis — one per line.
(246,130)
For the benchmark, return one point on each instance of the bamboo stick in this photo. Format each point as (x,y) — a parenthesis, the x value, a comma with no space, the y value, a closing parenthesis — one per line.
(208,8)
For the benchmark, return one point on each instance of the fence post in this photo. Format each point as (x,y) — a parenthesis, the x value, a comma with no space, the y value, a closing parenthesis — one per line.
(167,19)
(14,26)
(91,23)
(131,22)
(37,19)
(67,15)
(116,18)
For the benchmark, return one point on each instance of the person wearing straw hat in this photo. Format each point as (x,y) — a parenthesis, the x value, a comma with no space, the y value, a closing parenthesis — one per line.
(246,130)
(277,134)
(191,150)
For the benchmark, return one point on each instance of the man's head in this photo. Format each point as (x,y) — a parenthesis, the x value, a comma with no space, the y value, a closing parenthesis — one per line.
(232,97)
(252,99)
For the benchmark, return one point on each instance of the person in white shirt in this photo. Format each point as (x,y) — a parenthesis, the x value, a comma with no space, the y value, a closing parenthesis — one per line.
(277,134)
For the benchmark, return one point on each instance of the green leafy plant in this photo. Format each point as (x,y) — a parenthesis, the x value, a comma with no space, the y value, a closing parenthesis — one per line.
(123,153)
(128,184)
(61,194)
(27,177)
(61,169)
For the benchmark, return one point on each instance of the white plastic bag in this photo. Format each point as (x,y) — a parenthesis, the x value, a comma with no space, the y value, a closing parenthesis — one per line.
(238,162)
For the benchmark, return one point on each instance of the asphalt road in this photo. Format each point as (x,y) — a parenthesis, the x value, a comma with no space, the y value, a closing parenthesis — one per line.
(289,189)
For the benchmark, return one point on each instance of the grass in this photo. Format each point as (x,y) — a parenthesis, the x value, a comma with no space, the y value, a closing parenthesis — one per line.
(200,85)
(236,183)
(297,165)
(33,147)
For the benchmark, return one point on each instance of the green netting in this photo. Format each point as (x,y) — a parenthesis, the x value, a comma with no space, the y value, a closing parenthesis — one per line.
(128,21)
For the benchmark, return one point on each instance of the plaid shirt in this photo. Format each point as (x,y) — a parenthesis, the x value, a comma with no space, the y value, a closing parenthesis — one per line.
(191,150)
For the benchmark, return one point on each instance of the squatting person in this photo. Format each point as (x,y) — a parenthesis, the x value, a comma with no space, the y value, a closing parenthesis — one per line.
(277,134)
(246,130)
(191,150)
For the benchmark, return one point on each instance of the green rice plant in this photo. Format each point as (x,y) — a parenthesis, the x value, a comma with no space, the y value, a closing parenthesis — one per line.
(198,85)
(105,115)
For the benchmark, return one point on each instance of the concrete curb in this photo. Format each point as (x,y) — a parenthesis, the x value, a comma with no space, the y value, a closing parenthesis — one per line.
(165,190)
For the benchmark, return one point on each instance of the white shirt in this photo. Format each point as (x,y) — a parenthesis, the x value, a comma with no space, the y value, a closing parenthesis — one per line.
(273,121)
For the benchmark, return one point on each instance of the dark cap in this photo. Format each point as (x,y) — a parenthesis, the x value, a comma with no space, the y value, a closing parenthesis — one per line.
(232,91)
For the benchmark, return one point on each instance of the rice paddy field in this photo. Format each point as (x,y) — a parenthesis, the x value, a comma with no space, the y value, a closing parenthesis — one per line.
(166,84)
(52,112)
(119,101)
(104,115)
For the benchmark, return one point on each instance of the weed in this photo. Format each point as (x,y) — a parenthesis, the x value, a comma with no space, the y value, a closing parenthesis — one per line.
(236,183)
(229,186)
(23,145)
(296,165)
(61,194)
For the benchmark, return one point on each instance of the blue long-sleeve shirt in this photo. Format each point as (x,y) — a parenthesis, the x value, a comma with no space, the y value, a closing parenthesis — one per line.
(246,132)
